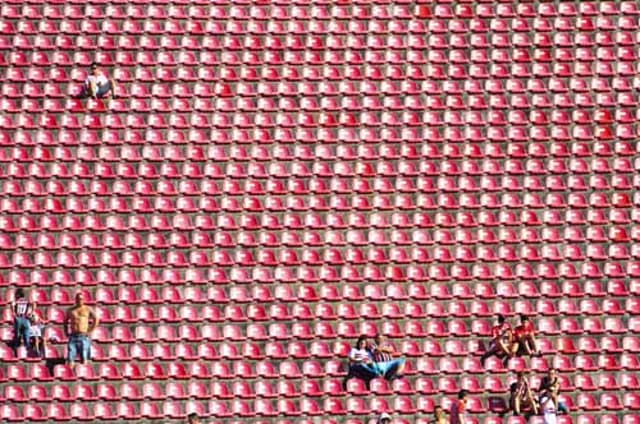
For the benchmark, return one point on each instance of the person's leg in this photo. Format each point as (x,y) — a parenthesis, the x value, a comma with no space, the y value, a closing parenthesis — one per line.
(533,344)
(516,405)
(23,332)
(71,351)
(85,343)
(489,353)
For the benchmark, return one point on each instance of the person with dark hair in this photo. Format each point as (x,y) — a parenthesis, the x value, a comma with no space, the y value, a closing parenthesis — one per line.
(21,308)
(501,344)
(458,413)
(440,417)
(193,418)
(360,363)
(522,399)
(382,353)
(525,336)
(97,85)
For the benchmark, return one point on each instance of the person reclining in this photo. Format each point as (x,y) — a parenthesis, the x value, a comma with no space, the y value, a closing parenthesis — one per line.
(361,363)
(382,353)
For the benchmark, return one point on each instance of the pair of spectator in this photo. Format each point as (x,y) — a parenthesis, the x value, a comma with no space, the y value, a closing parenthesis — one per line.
(523,401)
(371,360)
(28,327)
(507,342)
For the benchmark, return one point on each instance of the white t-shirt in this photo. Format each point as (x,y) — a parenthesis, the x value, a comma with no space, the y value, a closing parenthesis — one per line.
(359,354)
(98,80)
(548,409)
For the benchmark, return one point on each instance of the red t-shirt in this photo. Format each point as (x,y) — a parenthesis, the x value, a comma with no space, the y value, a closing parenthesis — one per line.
(525,329)
(458,410)
(500,330)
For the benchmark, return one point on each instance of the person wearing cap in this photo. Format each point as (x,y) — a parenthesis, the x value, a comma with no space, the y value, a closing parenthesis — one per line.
(97,85)
(384,418)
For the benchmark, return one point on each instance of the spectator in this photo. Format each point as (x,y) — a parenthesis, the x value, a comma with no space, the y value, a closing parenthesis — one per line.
(384,418)
(551,384)
(36,331)
(458,413)
(439,416)
(522,399)
(193,418)
(20,310)
(78,326)
(501,344)
(382,353)
(97,85)
(548,408)
(525,337)
(360,363)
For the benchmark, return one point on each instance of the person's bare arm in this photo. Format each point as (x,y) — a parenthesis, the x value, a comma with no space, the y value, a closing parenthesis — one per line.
(12,306)
(94,321)
(67,321)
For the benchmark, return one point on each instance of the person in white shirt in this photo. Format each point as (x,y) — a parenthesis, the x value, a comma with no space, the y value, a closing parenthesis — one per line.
(548,408)
(97,85)
(361,363)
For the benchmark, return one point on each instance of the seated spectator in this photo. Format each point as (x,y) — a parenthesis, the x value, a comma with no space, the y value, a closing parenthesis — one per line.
(440,417)
(458,413)
(522,400)
(525,337)
(548,408)
(551,385)
(382,353)
(501,344)
(384,418)
(193,418)
(360,363)
(97,85)
(36,331)
(21,308)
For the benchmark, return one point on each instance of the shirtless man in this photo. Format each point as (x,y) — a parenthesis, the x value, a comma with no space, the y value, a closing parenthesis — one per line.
(78,326)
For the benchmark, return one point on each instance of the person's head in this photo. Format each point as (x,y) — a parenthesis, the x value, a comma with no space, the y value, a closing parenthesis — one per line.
(384,418)
(362,342)
(379,339)
(438,412)
(79,299)
(520,375)
(19,294)
(524,318)
(462,394)
(552,373)
(501,319)
(193,418)
(95,68)
(34,318)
